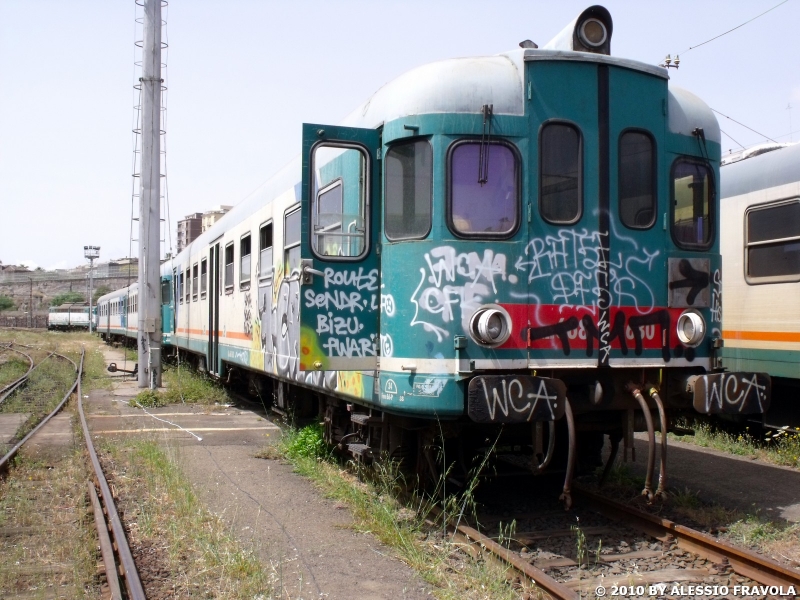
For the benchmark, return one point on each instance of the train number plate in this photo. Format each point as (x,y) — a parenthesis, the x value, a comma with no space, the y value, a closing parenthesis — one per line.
(732,393)
(515,399)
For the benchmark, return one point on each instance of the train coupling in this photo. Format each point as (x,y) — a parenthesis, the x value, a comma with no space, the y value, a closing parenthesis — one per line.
(113,368)
(734,393)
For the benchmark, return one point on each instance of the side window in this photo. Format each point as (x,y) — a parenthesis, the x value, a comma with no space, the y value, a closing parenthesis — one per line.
(483,190)
(195,282)
(291,243)
(265,253)
(693,196)
(180,287)
(244,261)
(339,201)
(187,292)
(203,277)
(229,267)
(637,180)
(560,173)
(409,181)
(166,288)
(772,243)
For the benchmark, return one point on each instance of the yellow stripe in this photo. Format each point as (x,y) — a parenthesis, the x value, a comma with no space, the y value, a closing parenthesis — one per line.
(176,430)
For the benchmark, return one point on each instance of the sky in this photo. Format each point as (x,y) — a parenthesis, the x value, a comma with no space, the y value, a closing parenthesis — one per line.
(242,77)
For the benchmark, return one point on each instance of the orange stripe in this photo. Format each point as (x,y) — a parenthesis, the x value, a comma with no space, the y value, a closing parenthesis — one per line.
(238,336)
(763,336)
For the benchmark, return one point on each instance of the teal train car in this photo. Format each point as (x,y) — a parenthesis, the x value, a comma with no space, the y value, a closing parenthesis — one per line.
(524,245)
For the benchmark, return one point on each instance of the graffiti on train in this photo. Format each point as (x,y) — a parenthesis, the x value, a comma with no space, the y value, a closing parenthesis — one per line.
(732,393)
(453,285)
(499,399)
(344,310)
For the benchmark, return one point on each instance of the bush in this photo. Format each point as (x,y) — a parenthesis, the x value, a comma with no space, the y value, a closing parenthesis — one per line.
(67,298)
(6,303)
(307,442)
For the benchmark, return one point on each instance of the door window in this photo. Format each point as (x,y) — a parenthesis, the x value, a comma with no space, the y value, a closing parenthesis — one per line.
(637,180)
(561,177)
(409,181)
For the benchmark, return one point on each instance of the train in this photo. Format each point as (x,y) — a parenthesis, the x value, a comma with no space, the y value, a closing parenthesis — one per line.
(68,316)
(761,217)
(524,245)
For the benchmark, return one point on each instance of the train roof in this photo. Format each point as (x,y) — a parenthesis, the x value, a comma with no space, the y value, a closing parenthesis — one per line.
(117,293)
(757,171)
(462,85)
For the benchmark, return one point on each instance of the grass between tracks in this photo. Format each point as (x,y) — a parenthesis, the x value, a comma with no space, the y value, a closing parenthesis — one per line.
(780,447)
(182,384)
(180,548)
(49,545)
(409,528)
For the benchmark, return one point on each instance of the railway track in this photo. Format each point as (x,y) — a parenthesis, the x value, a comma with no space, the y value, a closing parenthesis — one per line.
(119,566)
(641,552)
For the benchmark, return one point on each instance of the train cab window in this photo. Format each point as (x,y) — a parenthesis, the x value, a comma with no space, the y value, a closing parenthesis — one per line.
(195,282)
(291,243)
(203,278)
(772,243)
(229,268)
(693,196)
(637,180)
(483,190)
(339,201)
(265,254)
(244,262)
(561,173)
(409,181)
(166,290)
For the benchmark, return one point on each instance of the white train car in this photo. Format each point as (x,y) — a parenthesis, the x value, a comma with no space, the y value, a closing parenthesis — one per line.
(760,221)
(117,314)
(68,316)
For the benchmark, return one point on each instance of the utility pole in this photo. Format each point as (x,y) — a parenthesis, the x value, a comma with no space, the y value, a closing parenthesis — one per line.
(149,331)
(91,252)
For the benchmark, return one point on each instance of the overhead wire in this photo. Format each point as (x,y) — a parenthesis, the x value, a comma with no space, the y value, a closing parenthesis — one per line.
(743,125)
(731,137)
(735,28)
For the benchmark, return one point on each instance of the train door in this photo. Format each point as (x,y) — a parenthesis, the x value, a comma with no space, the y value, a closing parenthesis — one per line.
(339,270)
(213,310)
(566,257)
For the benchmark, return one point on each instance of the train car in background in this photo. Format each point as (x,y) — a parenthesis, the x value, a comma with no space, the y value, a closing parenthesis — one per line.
(117,314)
(523,245)
(68,316)
(760,209)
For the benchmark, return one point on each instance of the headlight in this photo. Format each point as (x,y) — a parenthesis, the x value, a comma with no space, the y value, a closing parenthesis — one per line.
(490,326)
(593,33)
(691,328)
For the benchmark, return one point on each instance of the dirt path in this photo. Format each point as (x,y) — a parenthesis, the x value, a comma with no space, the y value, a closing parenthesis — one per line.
(306,540)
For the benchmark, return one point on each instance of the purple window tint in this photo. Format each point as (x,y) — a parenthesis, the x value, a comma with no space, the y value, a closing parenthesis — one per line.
(489,208)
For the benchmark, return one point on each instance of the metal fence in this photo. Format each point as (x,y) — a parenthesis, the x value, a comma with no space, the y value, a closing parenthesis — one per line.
(100,272)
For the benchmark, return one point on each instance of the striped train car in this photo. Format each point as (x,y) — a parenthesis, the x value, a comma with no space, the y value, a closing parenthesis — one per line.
(524,244)
(760,209)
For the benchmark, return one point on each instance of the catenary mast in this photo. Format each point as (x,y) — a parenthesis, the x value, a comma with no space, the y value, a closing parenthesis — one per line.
(149,302)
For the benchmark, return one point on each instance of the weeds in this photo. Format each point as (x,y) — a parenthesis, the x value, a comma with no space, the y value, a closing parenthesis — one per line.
(202,558)
(580,545)
(404,526)
(183,385)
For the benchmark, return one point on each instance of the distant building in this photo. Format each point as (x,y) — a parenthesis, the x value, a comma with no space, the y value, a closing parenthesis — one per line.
(188,229)
(215,214)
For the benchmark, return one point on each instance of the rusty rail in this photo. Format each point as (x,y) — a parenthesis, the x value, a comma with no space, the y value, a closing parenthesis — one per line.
(744,562)
(8,389)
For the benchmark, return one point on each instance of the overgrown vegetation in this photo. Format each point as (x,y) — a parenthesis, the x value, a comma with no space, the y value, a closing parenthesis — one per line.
(182,384)
(67,298)
(49,544)
(409,527)
(6,303)
(175,533)
(780,447)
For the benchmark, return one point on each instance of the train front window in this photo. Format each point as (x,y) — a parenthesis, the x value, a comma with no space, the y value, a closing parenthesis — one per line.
(637,180)
(772,243)
(339,201)
(409,180)
(483,192)
(560,168)
(692,198)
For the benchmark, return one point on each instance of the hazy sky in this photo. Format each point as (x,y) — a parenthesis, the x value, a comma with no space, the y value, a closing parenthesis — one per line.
(243,76)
